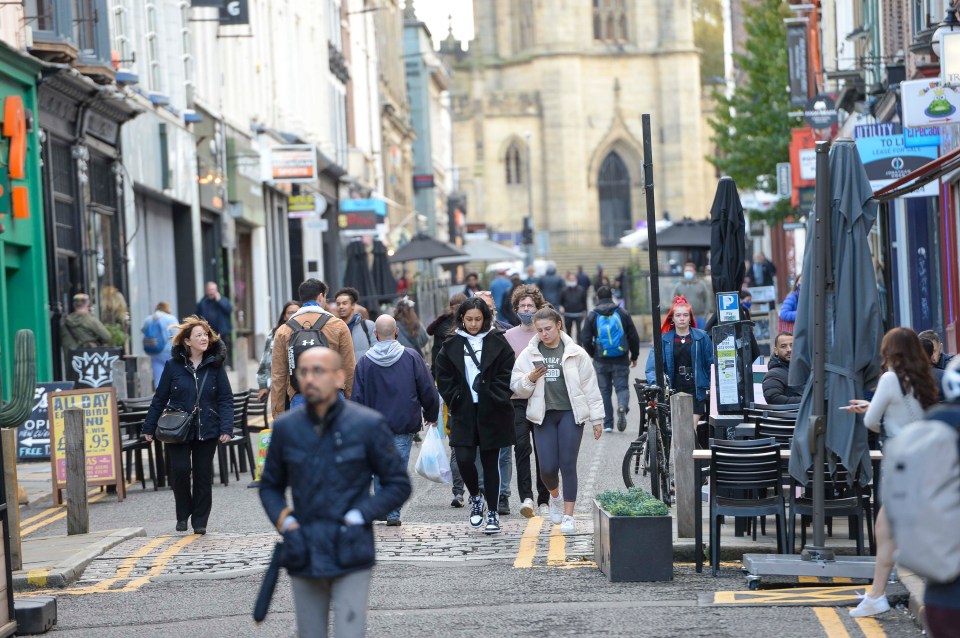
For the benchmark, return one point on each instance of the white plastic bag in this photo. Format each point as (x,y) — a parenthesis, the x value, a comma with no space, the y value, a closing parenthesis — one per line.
(433,464)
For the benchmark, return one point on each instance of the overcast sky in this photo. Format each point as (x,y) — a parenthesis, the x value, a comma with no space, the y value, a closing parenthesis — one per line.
(435,12)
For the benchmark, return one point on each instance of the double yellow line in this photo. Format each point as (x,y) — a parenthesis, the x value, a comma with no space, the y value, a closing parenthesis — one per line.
(54,514)
(833,625)
(556,551)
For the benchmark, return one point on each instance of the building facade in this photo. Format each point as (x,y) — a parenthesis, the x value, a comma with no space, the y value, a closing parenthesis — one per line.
(552,93)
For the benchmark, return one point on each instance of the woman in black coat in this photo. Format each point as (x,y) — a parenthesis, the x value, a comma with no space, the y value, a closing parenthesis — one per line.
(195,368)
(473,377)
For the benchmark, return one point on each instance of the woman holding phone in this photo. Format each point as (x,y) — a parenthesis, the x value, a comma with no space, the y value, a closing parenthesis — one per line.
(905,390)
(557,378)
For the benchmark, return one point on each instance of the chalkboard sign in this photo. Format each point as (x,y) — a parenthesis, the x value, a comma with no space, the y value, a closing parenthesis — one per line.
(33,437)
(92,367)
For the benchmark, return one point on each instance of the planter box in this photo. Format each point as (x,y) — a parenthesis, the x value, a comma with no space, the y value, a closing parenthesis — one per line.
(633,548)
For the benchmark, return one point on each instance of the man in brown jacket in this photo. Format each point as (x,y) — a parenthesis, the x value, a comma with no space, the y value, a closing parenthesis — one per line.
(312,293)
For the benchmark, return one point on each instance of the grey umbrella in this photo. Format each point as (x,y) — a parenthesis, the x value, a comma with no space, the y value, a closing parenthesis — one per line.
(727,238)
(424,248)
(853,327)
(357,273)
(384,284)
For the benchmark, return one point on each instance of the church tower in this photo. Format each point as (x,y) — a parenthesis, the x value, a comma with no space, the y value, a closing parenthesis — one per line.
(547,105)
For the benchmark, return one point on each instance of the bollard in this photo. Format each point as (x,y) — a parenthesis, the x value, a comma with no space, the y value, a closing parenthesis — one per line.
(240,358)
(12,494)
(78,517)
(684,442)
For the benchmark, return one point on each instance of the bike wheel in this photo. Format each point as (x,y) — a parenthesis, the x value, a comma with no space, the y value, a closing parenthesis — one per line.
(665,495)
(632,464)
(655,454)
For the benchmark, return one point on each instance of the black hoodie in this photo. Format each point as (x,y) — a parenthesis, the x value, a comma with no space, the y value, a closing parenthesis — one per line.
(776,390)
(607,307)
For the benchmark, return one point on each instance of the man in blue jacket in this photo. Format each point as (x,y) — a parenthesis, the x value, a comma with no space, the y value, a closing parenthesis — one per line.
(325,452)
(394,381)
(217,311)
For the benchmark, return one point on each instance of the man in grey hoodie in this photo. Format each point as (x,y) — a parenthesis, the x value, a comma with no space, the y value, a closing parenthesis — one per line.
(395,382)
(361,330)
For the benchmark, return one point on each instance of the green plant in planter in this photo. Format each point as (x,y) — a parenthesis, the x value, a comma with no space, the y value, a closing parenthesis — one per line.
(633,502)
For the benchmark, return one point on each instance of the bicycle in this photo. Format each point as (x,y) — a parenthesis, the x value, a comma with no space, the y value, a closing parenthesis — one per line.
(648,455)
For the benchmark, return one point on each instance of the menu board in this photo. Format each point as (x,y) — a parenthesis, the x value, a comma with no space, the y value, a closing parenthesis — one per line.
(101,438)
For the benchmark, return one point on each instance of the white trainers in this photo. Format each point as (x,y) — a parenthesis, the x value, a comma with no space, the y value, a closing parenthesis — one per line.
(870,606)
(543,511)
(526,508)
(568,526)
(556,509)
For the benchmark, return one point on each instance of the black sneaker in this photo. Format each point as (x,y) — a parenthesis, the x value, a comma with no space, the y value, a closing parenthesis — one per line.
(181,526)
(621,418)
(503,506)
(457,501)
(476,511)
(394,522)
(493,523)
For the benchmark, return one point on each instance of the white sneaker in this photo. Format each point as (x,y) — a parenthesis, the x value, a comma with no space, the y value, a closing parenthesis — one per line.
(870,606)
(526,508)
(556,509)
(543,511)
(568,526)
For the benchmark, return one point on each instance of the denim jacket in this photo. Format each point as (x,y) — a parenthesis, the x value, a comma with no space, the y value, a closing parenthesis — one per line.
(702,359)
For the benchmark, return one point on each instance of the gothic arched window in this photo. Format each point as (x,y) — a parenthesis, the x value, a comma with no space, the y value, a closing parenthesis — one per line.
(610,21)
(514,161)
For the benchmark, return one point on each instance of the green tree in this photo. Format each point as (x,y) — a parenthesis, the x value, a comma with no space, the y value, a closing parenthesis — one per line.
(751,129)
(708,36)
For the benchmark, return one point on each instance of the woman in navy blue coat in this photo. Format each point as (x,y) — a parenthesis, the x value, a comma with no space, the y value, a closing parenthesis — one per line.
(195,368)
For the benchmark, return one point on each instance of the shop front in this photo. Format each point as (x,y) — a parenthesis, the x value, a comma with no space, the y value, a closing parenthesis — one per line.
(23,272)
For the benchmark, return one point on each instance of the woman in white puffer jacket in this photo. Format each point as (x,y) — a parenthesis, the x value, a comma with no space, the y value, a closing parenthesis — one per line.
(556,376)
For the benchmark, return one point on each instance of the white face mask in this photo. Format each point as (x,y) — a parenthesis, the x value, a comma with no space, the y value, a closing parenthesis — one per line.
(688,274)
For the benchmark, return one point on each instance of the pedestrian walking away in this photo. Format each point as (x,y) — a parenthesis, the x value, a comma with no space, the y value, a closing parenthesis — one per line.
(905,390)
(81,328)
(309,327)
(687,356)
(411,333)
(217,310)
(776,388)
(788,309)
(326,451)
(551,285)
(526,301)
(394,381)
(473,377)
(158,331)
(573,305)
(610,338)
(195,381)
(361,330)
(266,360)
(557,378)
(499,287)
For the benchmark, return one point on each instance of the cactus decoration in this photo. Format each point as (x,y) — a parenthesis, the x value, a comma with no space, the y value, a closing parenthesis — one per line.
(14,412)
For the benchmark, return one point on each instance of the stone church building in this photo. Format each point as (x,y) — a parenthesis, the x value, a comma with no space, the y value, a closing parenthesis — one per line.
(547,105)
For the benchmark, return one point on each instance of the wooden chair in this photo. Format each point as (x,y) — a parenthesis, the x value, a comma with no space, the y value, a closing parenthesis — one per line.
(745,469)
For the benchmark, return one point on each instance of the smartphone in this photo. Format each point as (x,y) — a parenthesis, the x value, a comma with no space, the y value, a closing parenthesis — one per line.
(846,407)
(539,364)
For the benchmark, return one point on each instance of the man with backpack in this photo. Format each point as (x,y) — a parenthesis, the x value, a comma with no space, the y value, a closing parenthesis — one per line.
(921,497)
(310,327)
(360,329)
(157,338)
(610,338)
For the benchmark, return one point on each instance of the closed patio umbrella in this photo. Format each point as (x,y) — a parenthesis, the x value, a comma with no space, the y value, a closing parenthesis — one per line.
(384,284)
(852,326)
(727,238)
(357,274)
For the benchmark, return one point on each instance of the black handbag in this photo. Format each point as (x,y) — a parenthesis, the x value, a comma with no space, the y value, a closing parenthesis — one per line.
(174,425)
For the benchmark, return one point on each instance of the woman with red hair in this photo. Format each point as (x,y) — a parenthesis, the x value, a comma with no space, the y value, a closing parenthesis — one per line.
(687,355)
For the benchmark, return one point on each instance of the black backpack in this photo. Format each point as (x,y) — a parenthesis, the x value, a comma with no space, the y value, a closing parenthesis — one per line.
(302,339)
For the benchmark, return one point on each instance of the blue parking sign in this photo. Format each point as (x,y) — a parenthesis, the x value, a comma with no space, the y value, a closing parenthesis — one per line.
(728,307)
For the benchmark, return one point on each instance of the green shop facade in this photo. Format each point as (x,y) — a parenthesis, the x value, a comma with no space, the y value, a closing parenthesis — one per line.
(23,275)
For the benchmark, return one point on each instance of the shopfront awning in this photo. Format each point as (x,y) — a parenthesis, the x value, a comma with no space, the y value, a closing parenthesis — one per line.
(943,165)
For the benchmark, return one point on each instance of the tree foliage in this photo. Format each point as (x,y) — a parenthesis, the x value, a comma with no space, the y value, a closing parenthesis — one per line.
(708,36)
(751,129)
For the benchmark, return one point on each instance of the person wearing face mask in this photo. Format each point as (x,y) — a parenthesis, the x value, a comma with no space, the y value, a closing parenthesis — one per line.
(695,291)
(573,305)
(526,301)
(788,310)
(687,356)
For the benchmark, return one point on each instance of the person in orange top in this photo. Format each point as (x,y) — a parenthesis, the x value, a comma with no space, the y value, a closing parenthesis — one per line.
(312,293)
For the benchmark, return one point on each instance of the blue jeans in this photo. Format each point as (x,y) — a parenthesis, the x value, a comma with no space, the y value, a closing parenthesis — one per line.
(403,443)
(610,377)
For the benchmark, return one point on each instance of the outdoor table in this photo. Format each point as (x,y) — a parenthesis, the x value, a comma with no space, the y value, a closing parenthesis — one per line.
(703,456)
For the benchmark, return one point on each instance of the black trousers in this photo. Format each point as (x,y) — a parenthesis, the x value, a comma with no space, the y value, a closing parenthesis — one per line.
(574,324)
(490,461)
(194,457)
(522,450)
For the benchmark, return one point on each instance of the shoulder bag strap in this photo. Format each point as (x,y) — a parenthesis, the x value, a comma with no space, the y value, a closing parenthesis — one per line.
(206,373)
(472,353)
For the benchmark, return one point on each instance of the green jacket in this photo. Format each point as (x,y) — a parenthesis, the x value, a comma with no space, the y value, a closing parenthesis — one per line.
(82,329)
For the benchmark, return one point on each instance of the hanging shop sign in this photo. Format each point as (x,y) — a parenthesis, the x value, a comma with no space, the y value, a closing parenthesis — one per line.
(925,136)
(234,12)
(92,367)
(359,217)
(300,206)
(14,199)
(887,159)
(799,82)
(295,163)
(929,103)
(820,111)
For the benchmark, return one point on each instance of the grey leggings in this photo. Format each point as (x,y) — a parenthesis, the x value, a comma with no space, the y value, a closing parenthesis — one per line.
(347,595)
(558,444)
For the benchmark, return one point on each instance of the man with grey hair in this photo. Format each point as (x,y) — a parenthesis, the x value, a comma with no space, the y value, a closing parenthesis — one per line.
(394,381)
